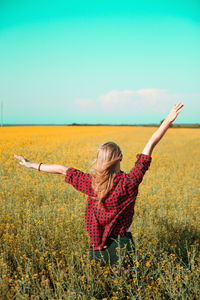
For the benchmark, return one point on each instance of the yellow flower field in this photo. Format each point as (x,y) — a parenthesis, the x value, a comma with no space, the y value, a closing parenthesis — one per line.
(43,242)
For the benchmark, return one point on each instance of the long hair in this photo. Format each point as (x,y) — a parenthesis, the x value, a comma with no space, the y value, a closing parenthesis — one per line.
(108,156)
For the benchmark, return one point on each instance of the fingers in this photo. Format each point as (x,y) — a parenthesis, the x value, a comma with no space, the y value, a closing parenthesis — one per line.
(18,157)
(179,111)
(178,106)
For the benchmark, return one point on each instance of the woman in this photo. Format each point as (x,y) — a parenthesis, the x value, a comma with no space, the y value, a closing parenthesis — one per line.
(111,195)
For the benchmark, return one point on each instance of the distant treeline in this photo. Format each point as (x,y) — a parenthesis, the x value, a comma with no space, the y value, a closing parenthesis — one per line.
(136,125)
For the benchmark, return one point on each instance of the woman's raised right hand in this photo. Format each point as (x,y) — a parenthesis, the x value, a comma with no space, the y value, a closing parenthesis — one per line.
(175,111)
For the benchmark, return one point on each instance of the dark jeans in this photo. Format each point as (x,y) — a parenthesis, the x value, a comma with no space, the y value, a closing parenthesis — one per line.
(119,250)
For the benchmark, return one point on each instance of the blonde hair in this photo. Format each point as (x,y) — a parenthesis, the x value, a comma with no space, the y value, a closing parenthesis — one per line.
(108,155)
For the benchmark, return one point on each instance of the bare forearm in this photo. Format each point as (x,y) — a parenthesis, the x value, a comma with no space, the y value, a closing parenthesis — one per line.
(155,138)
(50,168)
(176,109)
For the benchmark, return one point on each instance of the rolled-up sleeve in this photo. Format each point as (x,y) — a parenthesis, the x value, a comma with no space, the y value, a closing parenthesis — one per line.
(79,180)
(141,166)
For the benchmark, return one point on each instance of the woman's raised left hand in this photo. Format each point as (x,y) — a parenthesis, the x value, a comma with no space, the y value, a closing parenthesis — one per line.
(23,161)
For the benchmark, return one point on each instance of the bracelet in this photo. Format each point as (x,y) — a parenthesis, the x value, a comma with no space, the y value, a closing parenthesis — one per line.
(39,166)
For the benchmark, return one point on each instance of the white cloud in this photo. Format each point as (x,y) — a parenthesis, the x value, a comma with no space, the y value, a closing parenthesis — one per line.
(134,106)
(128,101)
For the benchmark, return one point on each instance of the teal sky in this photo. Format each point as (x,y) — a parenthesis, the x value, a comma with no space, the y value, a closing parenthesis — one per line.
(99,61)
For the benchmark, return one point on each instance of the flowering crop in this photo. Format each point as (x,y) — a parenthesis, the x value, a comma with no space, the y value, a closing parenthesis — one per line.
(43,243)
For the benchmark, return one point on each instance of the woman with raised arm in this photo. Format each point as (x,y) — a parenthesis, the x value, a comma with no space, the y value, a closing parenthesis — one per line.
(111,195)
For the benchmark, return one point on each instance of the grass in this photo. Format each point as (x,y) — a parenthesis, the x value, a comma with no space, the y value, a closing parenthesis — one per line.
(43,242)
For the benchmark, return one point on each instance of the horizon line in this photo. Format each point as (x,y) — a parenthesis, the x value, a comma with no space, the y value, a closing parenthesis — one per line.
(100,124)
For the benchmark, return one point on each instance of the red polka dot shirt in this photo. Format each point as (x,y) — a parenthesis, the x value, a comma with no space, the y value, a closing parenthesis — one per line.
(116,214)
